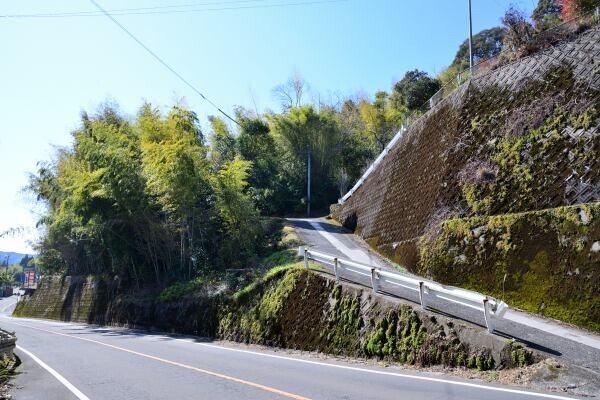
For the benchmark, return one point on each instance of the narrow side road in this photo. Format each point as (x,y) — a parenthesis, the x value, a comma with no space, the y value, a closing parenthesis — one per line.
(576,346)
(113,363)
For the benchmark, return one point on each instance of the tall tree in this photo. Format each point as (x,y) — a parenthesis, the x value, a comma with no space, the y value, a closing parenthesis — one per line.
(290,93)
(222,143)
(236,210)
(303,131)
(518,30)
(92,192)
(137,199)
(382,118)
(486,44)
(266,183)
(175,166)
(414,89)
(575,8)
(358,146)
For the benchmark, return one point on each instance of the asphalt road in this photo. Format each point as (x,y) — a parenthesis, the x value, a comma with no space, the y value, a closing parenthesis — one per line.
(91,362)
(555,340)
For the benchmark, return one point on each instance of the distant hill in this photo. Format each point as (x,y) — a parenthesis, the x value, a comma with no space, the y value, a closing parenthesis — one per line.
(13,258)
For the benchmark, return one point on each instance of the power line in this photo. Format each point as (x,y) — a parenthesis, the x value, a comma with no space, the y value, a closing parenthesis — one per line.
(160,60)
(153,10)
(119,10)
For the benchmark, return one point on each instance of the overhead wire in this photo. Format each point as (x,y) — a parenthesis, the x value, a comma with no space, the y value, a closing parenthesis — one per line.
(188,8)
(168,9)
(161,61)
(117,10)
(185,5)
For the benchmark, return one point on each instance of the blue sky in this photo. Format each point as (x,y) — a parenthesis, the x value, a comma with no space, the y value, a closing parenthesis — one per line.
(53,68)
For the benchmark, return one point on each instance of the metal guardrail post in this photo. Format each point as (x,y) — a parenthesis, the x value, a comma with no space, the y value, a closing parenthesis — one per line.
(306,258)
(422,295)
(374,280)
(493,309)
(335,269)
(487,314)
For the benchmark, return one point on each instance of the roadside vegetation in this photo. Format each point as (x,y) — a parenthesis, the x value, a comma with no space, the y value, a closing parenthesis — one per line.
(153,221)
(154,200)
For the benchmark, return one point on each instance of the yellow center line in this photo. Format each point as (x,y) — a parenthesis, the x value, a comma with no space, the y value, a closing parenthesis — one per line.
(177,364)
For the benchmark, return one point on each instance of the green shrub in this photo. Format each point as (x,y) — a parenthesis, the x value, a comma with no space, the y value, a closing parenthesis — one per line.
(179,290)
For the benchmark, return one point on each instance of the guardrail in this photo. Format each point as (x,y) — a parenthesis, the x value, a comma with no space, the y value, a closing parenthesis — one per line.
(388,282)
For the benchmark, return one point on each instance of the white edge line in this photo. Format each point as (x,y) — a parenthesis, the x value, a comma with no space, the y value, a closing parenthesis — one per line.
(7,307)
(55,374)
(372,371)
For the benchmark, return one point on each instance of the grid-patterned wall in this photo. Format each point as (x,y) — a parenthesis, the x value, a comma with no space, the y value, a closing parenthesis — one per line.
(419,180)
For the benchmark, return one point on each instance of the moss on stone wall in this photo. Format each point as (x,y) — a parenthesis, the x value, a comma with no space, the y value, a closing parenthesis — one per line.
(525,168)
(544,262)
(523,138)
(78,299)
(290,308)
(94,300)
(306,311)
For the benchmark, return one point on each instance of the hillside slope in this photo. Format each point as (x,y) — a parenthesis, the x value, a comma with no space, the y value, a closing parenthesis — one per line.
(520,139)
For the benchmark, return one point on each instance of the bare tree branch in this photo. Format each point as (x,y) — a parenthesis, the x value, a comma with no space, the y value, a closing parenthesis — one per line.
(289,94)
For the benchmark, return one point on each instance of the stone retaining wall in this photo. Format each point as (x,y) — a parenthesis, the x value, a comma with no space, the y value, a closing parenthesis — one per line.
(524,137)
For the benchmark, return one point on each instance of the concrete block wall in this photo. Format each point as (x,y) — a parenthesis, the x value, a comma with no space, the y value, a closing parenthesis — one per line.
(418,182)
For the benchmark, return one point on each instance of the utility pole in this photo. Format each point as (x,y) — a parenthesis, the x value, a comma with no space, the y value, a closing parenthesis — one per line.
(470,41)
(5,284)
(308,186)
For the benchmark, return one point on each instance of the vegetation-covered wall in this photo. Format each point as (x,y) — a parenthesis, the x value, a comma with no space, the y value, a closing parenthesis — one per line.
(290,308)
(525,137)
(65,298)
(94,300)
(542,261)
(307,311)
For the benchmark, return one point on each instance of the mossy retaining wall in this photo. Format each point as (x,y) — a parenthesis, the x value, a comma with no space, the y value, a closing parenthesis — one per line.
(525,137)
(293,309)
(98,301)
(308,311)
(544,261)
(69,298)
